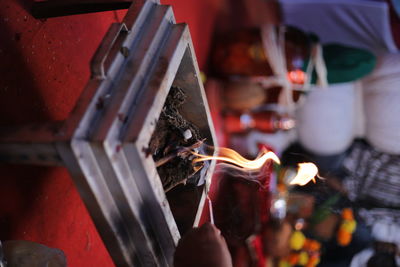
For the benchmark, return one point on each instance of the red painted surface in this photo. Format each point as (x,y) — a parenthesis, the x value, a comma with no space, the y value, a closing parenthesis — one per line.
(44,66)
(201,16)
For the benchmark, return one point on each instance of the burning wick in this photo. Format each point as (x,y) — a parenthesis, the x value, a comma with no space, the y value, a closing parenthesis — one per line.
(231,156)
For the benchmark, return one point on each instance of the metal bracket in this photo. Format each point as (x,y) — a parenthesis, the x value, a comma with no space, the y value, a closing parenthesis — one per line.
(103,51)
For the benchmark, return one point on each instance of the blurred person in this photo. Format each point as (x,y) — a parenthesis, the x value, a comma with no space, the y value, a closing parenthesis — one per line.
(332,117)
(331,120)
(385,252)
(352,132)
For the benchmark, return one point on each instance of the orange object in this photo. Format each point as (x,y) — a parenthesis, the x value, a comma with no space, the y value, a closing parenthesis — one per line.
(293,258)
(313,261)
(343,237)
(264,121)
(297,76)
(307,244)
(347,214)
(281,188)
(314,245)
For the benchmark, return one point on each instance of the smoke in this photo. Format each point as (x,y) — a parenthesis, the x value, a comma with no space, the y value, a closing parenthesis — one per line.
(256,176)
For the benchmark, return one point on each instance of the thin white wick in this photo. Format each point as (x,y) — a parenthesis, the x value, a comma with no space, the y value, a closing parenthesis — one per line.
(210,209)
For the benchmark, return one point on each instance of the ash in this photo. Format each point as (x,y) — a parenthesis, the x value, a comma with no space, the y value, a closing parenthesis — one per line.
(171,133)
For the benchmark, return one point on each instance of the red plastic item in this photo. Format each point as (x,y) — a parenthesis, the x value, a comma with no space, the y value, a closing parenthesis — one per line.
(264,121)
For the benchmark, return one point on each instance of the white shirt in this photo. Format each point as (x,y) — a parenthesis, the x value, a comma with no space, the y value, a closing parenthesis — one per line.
(381,231)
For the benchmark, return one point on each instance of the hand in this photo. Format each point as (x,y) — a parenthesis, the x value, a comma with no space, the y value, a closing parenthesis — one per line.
(202,247)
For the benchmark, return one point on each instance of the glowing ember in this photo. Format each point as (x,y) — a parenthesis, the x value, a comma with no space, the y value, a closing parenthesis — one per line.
(231,156)
(305,173)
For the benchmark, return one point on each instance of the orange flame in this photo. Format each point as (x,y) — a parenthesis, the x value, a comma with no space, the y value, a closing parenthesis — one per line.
(305,173)
(231,156)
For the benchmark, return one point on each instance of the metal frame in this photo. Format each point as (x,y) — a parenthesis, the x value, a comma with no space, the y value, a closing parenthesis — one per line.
(58,8)
(103,141)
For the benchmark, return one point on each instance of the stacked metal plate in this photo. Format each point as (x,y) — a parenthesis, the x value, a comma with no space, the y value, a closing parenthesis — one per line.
(103,143)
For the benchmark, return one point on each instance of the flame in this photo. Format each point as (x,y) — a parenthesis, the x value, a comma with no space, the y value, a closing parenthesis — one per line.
(305,173)
(231,156)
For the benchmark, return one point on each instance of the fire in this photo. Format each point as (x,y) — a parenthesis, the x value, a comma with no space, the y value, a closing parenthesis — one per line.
(231,156)
(305,173)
